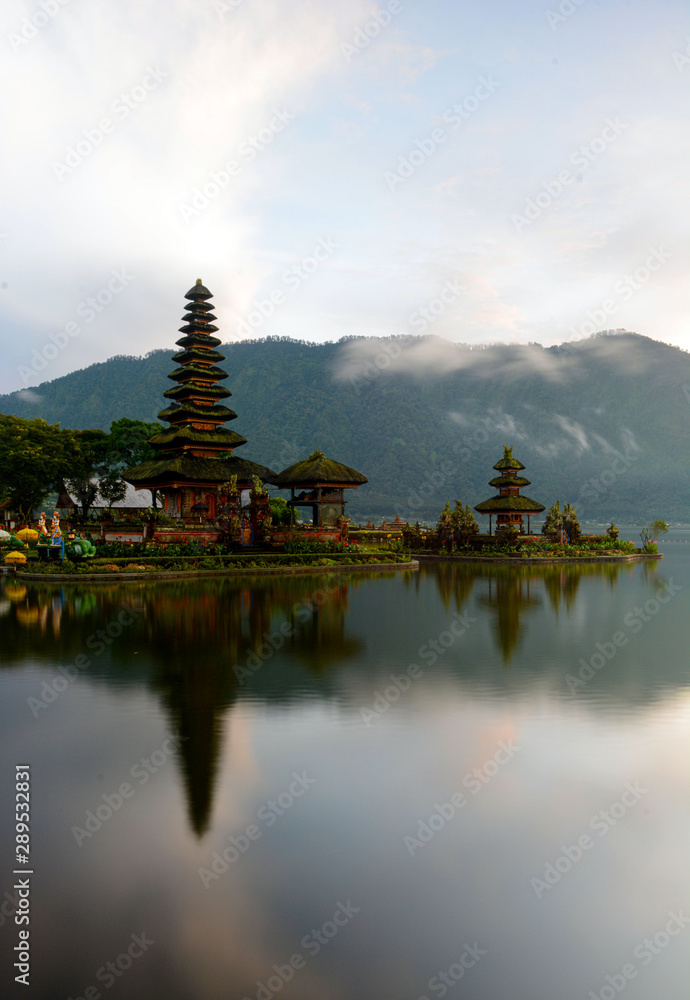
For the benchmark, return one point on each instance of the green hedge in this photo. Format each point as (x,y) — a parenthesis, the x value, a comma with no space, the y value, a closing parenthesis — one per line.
(191,563)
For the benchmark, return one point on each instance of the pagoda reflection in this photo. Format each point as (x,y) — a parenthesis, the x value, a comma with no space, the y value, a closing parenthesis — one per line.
(511,592)
(200,646)
(321,641)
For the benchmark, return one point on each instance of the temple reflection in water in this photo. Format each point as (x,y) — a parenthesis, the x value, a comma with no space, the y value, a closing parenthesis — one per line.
(199,648)
(204,647)
(509,593)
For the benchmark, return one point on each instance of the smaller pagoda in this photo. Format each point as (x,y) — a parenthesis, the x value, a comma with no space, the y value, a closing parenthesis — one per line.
(509,507)
(320,482)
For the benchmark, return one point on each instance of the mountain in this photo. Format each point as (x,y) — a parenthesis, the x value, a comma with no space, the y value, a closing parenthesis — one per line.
(603,423)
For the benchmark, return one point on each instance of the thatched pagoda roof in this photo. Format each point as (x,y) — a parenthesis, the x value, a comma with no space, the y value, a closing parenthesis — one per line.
(185,468)
(176,413)
(185,435)
(198,291)
(508,505)
(193,371)
(508,462)
(188,390)
(509,480)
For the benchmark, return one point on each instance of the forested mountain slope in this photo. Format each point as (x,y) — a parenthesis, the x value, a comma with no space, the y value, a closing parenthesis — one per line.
(603,422)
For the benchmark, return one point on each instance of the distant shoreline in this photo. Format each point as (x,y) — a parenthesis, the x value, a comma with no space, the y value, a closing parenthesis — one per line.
(544,560)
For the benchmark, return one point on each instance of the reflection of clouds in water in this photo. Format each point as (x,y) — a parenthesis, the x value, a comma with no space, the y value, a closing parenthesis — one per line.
(344,840)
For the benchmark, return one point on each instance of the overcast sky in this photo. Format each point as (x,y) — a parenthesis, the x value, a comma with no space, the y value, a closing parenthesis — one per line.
(503,171)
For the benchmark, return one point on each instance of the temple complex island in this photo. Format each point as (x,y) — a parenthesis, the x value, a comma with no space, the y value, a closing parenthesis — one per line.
(509,507)
(196,457)
(321,482)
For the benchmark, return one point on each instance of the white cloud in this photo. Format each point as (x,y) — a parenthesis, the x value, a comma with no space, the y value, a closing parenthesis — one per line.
(576,432)
(322,174)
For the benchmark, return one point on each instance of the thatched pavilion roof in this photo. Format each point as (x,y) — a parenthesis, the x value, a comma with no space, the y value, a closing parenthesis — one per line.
(317,470)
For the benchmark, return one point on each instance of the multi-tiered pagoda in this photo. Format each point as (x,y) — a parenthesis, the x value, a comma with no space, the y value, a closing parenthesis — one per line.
(196,451)
(509,507)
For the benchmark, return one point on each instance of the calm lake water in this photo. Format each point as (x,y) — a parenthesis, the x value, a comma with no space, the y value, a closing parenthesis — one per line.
(463,781)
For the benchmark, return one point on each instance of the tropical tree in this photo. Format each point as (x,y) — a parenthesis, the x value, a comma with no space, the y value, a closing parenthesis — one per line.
(444,526)
(86,464)
(445,521)
(571,524)
(281,512)
(650,534)
(554,520)
(34,456)
(112,488)
(128,442)
(464,521)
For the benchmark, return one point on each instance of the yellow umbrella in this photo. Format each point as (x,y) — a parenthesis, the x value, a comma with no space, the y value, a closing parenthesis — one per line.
(28,616)
(27,535)
(15,591)
(15,558)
